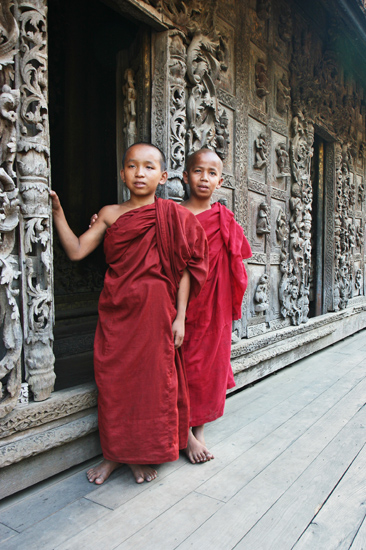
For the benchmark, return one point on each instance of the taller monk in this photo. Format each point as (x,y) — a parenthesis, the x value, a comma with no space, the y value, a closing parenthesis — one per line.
(158,257)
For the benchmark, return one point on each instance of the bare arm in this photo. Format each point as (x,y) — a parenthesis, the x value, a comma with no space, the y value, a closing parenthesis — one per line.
(182,301)
(75,247)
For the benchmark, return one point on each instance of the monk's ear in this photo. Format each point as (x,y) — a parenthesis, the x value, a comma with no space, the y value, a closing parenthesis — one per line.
(164,177)
(185,177)
(221,181)
(122,174)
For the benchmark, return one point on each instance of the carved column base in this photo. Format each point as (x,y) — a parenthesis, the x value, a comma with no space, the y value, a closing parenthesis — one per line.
(40,375)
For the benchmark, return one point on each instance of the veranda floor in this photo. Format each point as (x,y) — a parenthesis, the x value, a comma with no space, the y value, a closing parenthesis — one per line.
(289,472)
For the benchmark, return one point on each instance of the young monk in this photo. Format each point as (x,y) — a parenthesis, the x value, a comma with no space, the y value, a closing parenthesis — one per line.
(157,255)
(207,343)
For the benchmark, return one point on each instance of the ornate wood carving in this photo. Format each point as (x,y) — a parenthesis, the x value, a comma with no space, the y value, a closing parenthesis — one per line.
(261,297)
(344,229)
(11,333)
(296,262)
(33,177)
(263,225)
(283,95)
(261,152)
(177,101)
(129,108)
(261,79)
(283,160)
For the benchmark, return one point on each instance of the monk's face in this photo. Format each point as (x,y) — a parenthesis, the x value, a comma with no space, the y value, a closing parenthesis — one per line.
(204,174)
(142,172)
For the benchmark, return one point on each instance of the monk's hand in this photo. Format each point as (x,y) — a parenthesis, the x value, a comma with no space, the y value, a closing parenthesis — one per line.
(178,332)
(56,205)
(93,219)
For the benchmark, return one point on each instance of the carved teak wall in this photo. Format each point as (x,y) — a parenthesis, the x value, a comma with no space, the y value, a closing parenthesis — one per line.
(232,76)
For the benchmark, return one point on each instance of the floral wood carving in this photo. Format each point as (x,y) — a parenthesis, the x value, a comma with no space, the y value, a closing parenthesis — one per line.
(33,170)
(11,332)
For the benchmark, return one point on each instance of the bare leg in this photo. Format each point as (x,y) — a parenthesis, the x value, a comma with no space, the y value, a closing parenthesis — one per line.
(143,472)
(197,451)
(101,472)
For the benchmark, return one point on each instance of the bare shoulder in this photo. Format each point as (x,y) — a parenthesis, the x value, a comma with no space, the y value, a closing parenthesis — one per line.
(110,213)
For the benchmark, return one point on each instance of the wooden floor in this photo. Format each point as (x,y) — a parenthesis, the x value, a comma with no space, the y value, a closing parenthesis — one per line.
(289,472)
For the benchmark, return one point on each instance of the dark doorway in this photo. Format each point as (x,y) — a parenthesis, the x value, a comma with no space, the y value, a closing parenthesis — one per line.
(317,232)
(85,38)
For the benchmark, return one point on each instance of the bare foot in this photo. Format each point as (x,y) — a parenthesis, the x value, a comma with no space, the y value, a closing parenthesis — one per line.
(143,472)
(196,451)
(101,472)
(199,435)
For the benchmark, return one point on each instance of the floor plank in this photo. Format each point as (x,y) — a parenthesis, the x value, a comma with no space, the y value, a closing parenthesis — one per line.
(263,488)
(287,462)
(336,526)
(359,542)
(57,528)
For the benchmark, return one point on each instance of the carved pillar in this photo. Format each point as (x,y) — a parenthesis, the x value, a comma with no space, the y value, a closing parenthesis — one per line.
(168,124)
(344,229)
(11,333)
(33,182)
(296,263)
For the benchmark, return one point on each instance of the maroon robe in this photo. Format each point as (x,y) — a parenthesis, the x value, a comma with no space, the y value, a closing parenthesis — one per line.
(207,342)
(143,396)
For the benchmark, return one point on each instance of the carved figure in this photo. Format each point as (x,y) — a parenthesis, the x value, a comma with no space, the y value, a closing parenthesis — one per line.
(263,9)
(282,228)
(202,109)
(359,236)
(261,152)
(129,107)
(285,24)
(358,280)
(283,95)
(283,160)
(222,135)
(261,295)
(361,192)
(261,79)
(263,225)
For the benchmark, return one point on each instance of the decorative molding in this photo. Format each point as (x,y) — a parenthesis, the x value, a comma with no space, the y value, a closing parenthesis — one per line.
(40,442)
(61,404)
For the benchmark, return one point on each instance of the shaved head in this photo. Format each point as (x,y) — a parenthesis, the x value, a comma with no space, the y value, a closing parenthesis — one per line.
(204,151)
(162,156)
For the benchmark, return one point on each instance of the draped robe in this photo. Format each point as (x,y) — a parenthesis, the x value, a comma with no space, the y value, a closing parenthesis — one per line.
(143,408)
(207,342)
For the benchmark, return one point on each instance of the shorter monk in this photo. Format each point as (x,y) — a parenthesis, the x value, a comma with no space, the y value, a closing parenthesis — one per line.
(156,251)
(207,342)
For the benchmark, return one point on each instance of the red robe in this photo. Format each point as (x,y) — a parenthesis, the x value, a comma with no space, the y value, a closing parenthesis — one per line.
(207,341)
(143,409)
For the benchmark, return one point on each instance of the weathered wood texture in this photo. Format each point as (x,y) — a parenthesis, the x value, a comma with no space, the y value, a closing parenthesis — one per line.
(289,472)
